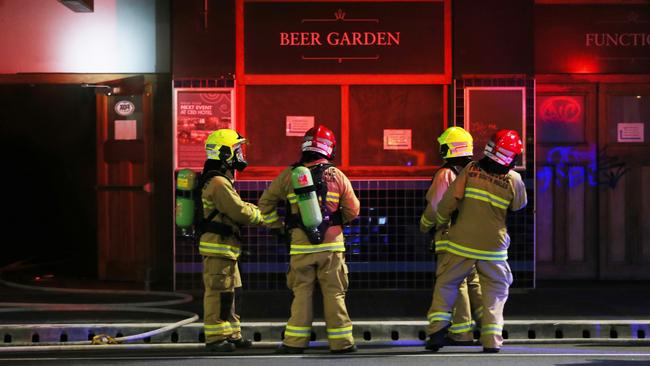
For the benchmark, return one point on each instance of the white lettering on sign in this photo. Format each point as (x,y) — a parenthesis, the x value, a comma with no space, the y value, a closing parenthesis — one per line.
(305,39)
(300,39)
(196,109)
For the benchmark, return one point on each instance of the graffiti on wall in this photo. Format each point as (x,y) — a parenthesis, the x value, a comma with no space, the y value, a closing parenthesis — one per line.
(567,168)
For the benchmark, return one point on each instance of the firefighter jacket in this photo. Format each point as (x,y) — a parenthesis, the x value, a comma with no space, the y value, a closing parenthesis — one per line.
(441,181)
(340,196)
(219,193)
(482,200)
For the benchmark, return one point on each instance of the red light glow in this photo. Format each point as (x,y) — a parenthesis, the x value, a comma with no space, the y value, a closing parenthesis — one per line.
(564,109)
(581,64)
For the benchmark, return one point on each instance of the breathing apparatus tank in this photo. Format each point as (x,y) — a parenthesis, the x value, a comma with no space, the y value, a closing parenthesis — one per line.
(308,205)
(185,184)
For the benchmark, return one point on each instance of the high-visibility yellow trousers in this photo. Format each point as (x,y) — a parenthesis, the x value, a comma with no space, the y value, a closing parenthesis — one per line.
(331,272)
(467,311)
(220,278)
(495,279)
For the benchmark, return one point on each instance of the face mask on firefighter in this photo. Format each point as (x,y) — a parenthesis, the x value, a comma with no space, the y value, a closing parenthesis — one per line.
(238,161)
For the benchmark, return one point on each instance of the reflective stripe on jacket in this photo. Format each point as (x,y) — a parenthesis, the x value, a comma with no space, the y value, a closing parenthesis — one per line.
(340,196)
(441,181)
(483,200)
(219,193)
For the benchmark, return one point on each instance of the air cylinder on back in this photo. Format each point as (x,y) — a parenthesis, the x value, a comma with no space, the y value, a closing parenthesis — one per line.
(308,204)
(185,182)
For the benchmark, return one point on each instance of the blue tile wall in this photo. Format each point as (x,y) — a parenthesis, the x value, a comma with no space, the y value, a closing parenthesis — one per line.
(385,249)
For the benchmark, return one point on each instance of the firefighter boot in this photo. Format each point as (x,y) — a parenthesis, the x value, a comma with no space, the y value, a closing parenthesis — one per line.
(452,342)
(223,346)
(287,350)
(350,349)
(241,342)
(436,340)
(491,350)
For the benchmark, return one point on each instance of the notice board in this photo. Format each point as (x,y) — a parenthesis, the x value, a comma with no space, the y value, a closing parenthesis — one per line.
(197,113)
(489,109)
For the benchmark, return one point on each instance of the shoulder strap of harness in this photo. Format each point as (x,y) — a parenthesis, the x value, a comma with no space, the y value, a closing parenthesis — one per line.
(320,187)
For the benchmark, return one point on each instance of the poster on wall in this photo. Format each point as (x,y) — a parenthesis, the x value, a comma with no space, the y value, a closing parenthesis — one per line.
(630,132)
(298,125)
(197,113)
(489,109)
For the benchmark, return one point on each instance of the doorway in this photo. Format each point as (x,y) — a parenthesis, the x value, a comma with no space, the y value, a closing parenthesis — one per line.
(624,181)
(566,190)
(593,181)
(47,139)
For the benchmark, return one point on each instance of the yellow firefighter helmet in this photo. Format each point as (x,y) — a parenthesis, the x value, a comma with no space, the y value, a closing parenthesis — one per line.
(221,144)
(455,142)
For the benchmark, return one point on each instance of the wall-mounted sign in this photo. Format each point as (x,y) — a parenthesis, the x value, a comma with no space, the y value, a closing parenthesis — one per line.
(127,117)
(489,109)
(298,125)
(560,118)
(197,113)
(630,132)
(124,108)
(345,37)
(397,139)
(126,129)
(592,39)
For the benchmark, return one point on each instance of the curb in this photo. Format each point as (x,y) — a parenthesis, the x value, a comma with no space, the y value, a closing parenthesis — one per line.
(393,333)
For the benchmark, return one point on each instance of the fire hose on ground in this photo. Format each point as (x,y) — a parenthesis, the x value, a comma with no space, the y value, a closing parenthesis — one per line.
(101,339)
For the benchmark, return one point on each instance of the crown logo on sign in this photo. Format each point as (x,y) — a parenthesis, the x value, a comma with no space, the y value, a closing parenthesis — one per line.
(339,15)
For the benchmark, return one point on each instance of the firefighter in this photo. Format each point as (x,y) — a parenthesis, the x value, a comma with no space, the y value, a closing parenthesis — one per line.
(456,148)
(483,193)
(220,244)
(317,255)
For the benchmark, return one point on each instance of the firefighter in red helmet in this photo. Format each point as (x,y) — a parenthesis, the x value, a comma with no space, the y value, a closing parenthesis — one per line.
(483,193)
(321,200)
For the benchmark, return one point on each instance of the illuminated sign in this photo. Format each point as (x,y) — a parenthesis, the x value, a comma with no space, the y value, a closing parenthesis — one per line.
(617,39)
(563,109)
(592,39)
(560,119)
(344,38)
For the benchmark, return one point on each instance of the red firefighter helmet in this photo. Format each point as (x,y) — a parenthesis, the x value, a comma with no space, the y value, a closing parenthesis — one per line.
(504,146)
(319,139)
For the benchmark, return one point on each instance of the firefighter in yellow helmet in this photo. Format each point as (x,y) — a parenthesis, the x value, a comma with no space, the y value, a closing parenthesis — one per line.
(483,193)
(456,148)
(317,254)
(220,244)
